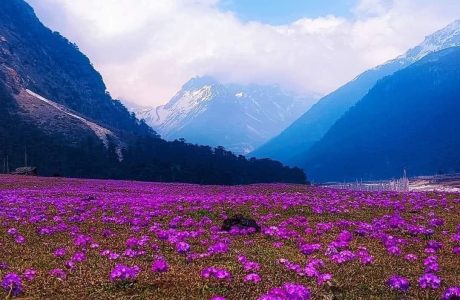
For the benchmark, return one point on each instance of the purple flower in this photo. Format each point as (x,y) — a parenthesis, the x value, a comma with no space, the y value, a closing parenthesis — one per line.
(82,241)
(160,265)
(3,266)
(29,274)
(19,239)
(278,245)
(207,273)
(291,291)
(398,283)
(70,264)
(12,231)
(124,273)
(429,281)
(365,257)
(435,222)
(242,259)
(222,274)
(218,298)
(452,293)
(431,264)
(411,257)
(132,242)
(435,245)
(182,247)
(107,233)
(343,256)
(113,256)
(130,253)
(316,263)
(58,274)
(12,283)
(78,257)
(296,291)
(308,249)
(309,271)
(216,273)
(394,250)
(253,277)
(218,248)
(430,251)
(251,266)
(61,252)
(323,278)
(345,236)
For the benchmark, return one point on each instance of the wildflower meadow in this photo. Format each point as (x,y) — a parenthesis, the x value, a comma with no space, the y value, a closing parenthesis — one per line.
(94,239)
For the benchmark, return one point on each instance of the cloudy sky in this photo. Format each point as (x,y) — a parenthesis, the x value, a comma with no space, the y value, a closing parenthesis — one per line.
(146,49)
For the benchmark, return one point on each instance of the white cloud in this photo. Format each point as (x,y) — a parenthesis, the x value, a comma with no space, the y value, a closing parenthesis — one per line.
(146,49)
(373,7)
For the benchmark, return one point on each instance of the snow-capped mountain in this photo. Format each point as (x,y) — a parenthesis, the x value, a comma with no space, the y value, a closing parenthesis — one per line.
(293,144)
(410,118)
(239,118)
(189,103)
(445,38)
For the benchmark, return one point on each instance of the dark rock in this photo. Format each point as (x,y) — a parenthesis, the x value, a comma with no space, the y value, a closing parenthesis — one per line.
(240,221)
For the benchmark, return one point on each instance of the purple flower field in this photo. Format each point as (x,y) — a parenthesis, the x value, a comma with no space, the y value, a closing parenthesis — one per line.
(91,239)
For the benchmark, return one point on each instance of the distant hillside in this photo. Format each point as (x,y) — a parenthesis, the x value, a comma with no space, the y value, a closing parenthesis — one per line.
(409,120)
(54,106)
(237,117)
(292,144)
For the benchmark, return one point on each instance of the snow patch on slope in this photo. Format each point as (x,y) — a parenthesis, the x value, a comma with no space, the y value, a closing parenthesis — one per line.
(238,117)
(102,133)
(445,38)
(185,105)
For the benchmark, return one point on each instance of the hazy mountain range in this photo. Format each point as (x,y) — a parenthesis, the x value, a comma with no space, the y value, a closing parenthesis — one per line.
(293,144)
(409,120)
(55,106)
(237,117)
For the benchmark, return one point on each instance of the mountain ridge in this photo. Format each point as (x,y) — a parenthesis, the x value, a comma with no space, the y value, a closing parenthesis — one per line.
(293,144)
(408,120)
(256,113)
(52,66)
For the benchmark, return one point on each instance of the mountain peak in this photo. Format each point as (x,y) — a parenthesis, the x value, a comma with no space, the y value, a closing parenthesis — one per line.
(447,37)
(203,109)
(198,82)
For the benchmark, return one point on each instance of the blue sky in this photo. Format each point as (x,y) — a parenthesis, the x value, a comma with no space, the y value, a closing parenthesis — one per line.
(278,12)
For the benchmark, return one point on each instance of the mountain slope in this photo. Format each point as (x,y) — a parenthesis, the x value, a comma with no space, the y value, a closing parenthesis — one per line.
(48,64)
(44,111)
(240,118)
(292,144)
(409,120)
